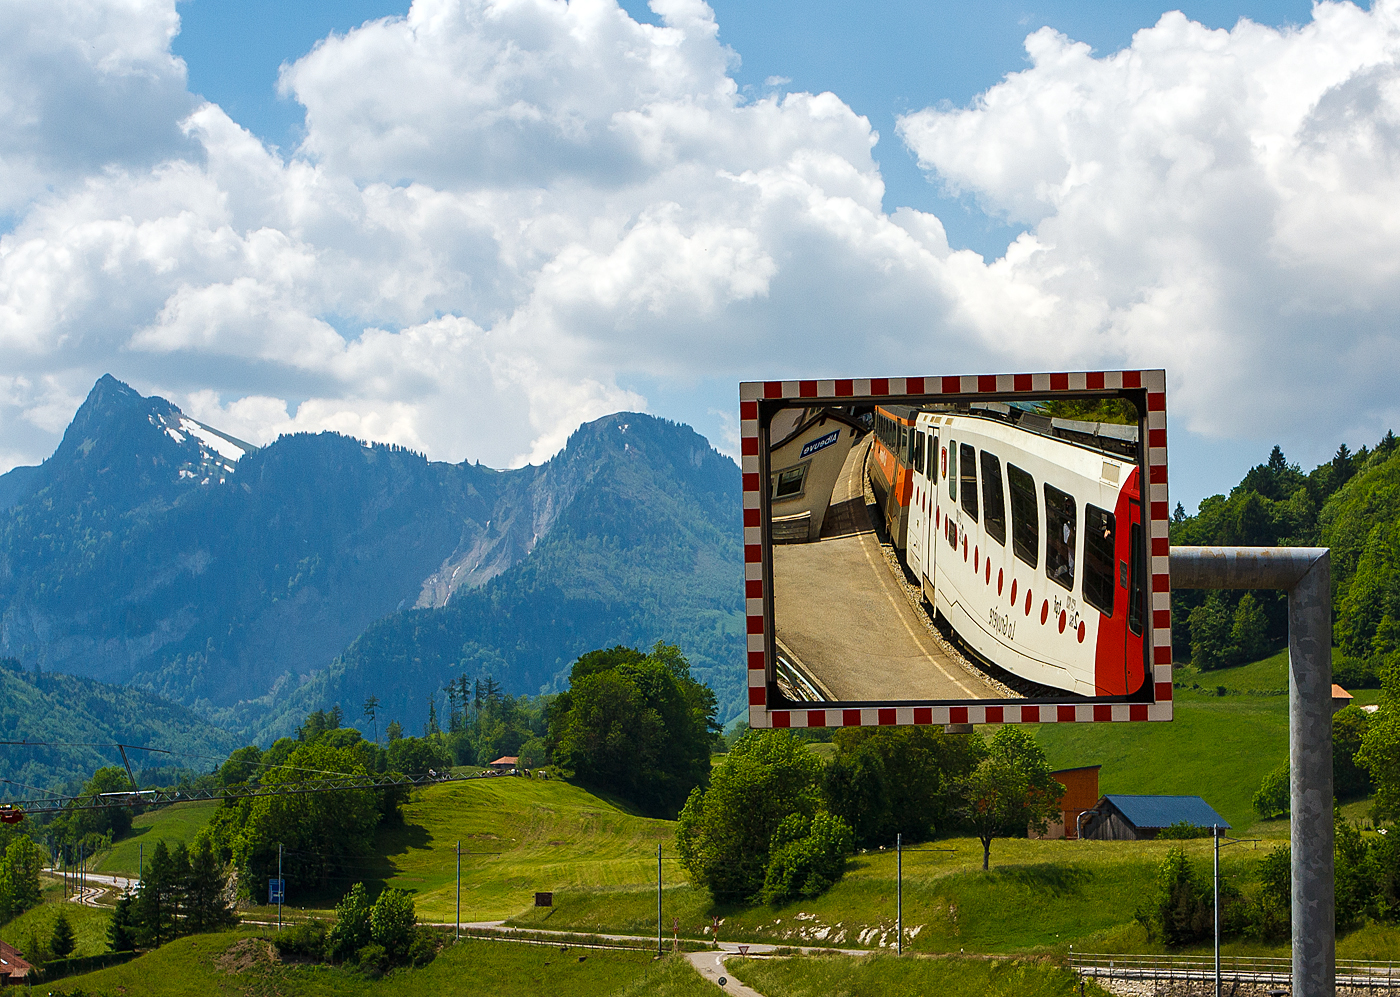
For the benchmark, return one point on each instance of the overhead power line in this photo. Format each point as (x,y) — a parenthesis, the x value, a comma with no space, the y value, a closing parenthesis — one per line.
(146,797)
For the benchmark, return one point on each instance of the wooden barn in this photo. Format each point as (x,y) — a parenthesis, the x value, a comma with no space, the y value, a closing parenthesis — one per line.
(1140,818)
(1081,795)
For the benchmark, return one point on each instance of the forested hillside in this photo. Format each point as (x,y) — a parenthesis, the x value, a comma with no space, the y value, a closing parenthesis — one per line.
(1350,504)
(80,719)
(648,549)
(154,551)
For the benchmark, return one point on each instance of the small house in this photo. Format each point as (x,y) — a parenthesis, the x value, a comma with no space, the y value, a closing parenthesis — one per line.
(505,763)
(1081,794)
(13,967)
(1341,699)
(1119,817)
(810,449)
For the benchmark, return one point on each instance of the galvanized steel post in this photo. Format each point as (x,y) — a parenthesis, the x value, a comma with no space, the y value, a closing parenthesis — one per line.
(1306,574)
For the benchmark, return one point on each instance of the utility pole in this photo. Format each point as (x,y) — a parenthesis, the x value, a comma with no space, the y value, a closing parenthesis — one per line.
(281,886)
(659,943)
(1215,834)
(899,892)
(458,936)
(1306,574)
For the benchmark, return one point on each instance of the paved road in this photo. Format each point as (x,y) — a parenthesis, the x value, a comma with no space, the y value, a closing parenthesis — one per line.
(710,965)
(843,619)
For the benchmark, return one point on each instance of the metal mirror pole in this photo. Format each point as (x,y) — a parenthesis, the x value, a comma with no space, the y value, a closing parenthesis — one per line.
(1306,574)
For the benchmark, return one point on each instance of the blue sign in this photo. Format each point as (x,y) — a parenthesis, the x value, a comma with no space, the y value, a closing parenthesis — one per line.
(276,891)
(820,444)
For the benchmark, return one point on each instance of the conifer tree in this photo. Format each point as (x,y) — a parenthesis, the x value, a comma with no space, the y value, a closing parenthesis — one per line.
(156,904)
(61,944)
(121,932)
(206,908)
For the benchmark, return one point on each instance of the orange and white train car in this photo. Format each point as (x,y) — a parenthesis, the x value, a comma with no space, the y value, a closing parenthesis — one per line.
(891,467)
(1031,547)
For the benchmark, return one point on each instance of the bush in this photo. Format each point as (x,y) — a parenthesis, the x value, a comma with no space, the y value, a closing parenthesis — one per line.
(303,941)
(351,930)
(534,753)
(1181,910)
(416,755)
(424,948)
(1271,799)
(1183,830)
(391,923)
(807,857)
(373,960)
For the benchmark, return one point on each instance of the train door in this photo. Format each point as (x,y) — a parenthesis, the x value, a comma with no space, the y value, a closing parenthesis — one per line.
(1113,584)
(1137,595)
(928,503)
(918,501)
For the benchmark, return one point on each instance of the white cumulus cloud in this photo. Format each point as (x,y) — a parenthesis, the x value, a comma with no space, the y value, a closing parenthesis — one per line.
(503,212)
(1223,202)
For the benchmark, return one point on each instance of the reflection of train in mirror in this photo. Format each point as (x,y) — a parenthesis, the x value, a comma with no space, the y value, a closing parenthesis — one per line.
(1025,534)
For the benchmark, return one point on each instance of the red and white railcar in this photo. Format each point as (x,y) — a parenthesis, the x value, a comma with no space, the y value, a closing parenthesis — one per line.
(1031,547)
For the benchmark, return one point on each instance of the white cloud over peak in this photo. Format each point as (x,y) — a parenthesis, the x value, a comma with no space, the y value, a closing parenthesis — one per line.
(502,212)
(1225,201)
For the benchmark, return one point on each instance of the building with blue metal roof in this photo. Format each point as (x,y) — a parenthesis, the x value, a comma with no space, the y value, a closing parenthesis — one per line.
(1118,817)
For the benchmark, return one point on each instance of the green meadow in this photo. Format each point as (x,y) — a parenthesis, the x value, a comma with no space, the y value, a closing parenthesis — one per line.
(89,923)
(244,962)
(819,976)
(176,825)
(599,859)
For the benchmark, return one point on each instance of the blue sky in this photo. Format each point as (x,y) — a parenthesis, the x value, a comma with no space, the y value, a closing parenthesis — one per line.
(472,230)
(881,59)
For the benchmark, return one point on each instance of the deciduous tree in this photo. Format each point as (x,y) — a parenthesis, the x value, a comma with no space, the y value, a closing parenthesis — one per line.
(725,832)
(1011,790)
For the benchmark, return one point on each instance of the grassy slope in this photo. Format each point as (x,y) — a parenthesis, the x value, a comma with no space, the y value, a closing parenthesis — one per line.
(175,825)
(885,975)
(89,923)
(1217,747)
(206,964)
(550,836)
(1038,895)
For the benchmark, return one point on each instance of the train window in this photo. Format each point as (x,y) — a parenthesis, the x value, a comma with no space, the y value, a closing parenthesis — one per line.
(953,469)
(1135,589)
(1099,555)
(933,459)
(915,441)
(1025,515)
(967,460)
(789,483)
(1061,520)
(993,498)
(919,452)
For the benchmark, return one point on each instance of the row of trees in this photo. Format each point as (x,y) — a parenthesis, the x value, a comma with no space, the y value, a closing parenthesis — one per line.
(776,824)
(1257,904)
(1351,504)
(482,724)
(182,892)
(635,724)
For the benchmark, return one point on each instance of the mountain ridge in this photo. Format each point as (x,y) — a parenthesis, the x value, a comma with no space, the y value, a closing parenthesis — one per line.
(146,551)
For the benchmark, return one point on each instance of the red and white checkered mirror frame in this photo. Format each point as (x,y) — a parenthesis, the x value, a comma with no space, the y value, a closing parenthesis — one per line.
(967,387)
